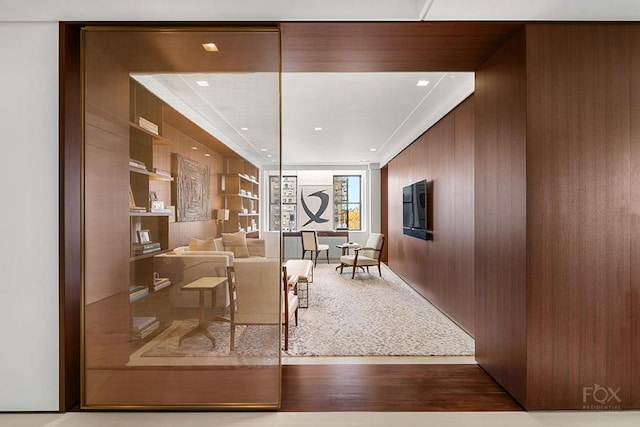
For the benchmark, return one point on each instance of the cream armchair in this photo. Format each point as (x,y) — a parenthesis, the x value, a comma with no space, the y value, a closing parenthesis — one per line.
(367,256)
(257,293)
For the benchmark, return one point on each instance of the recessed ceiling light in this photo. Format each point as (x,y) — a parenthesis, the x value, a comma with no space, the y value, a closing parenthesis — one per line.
(422,82)
(194,148)
(207,155)
(210,47)
(244,128)
(263,149)
(372,149)
(317,128)
(202,83)
(269,155)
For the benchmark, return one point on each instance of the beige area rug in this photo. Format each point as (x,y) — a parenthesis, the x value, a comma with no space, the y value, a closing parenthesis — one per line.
(365,316)
(372,316)
(255,344)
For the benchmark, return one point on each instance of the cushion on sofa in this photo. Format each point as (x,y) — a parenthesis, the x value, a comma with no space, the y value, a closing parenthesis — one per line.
(236,243)
(201,245)
(217,244)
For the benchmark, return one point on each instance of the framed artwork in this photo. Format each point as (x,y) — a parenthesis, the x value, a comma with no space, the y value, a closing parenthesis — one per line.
(191,189)
(315,207)
(144,237)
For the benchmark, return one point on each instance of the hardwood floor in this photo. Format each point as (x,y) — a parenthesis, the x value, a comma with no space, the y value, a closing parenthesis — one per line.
(324,388)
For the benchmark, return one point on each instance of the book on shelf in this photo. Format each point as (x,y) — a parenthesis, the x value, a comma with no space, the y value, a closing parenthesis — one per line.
(163,211)
(148,125)
(137,209)
(145,251)
(162,172)
(150,245)
(137,164)
(134,288)
(145,248)
(135,295)
(140,323)
(161,283)
(146,331)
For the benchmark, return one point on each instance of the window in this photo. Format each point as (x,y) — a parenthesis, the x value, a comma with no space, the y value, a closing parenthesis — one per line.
(347,202)
(282,217)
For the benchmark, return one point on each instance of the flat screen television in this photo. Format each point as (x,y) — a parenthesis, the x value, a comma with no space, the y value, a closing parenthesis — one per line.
(414,210)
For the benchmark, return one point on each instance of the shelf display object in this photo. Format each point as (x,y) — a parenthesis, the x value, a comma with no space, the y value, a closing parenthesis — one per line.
(241,192)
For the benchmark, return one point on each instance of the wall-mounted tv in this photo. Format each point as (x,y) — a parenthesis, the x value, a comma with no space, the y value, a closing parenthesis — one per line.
(415,210)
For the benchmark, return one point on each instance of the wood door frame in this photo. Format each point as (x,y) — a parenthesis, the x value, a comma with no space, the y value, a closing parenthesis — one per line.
(374,46)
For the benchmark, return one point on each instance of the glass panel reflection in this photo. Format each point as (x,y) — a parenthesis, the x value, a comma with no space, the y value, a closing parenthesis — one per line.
(172,209)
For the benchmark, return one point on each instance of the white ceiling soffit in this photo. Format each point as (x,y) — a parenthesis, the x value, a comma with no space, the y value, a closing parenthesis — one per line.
(208,10)
(362,112)
(325,10)
(538,10)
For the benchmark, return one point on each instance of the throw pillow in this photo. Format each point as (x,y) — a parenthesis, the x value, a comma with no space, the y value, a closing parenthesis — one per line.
(236,243)
(201,245)
(217,244)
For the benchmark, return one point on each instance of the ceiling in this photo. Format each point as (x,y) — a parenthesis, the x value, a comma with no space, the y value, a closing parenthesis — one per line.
(357,111)
(319,10)
(327,118)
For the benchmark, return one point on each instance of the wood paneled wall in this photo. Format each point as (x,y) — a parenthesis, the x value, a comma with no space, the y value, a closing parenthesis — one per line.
(635,220)
(579,212)
(181,143)
(442,269)
(557,208)
(500,217)
(390,46)
(384,210)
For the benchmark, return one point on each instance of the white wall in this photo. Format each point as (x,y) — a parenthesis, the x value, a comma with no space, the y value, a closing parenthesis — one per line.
(29,216)
(323,175)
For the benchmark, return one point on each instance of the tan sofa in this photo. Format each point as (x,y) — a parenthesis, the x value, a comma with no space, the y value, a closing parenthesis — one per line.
(183,266)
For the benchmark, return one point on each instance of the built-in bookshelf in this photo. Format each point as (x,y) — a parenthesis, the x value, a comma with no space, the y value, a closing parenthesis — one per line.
(240,187)
(148,218)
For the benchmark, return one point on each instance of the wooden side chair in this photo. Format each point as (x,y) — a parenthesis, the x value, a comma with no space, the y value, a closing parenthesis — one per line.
(310,244)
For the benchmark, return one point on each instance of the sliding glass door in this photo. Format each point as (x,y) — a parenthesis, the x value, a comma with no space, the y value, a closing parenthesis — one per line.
(176,122)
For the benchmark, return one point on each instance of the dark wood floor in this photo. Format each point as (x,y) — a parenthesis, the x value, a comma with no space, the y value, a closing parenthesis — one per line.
(322,388)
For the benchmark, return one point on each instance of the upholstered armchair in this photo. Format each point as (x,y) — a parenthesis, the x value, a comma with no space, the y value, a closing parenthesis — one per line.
(310,244)
(256,289)
(367,256)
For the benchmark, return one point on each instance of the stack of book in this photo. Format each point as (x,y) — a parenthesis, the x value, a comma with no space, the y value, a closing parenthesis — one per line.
(137,209)
(147,125)
(138,291)
(145,248)
(162,172)
(142,327)
(160,283)
(137,164)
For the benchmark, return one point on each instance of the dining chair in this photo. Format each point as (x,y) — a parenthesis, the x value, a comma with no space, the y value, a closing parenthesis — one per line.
(310,244)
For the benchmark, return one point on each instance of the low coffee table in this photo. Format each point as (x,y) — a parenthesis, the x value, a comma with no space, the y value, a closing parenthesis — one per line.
(345,250)
(202,285)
